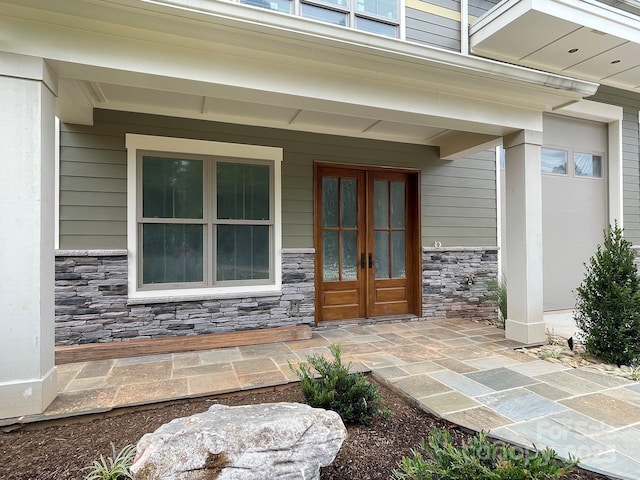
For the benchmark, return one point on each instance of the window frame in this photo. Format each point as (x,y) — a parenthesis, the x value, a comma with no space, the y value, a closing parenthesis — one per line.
(210,152)
(350,10)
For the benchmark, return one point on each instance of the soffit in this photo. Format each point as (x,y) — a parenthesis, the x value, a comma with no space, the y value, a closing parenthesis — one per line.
(585,39)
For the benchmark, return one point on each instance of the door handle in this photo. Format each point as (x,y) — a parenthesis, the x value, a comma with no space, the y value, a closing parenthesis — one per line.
(370,260)
(362,264)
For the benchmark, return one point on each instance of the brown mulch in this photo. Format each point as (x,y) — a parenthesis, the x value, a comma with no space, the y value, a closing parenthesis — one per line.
(59,450)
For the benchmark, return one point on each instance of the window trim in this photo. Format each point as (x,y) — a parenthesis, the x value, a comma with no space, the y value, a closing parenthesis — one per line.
(171,145)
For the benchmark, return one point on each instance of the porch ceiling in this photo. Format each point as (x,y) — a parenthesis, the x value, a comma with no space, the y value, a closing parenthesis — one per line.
(585,39)
(77,99)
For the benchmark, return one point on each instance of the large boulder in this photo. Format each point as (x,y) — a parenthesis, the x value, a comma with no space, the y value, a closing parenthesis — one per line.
(283,441)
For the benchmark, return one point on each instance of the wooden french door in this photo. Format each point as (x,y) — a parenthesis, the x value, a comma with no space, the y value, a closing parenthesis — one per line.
(367,242)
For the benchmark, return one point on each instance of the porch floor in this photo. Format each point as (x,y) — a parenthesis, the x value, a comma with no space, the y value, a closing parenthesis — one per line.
(462,371)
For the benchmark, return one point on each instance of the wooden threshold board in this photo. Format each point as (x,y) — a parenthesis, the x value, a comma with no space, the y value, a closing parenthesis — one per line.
(155,346)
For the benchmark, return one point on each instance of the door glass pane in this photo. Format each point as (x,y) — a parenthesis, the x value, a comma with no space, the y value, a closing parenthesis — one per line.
(554,161)
(172,253)
(588,165)
(398,255)
(349,255)
(381,204)
(329,202)
(243,191)
(381,249)
(348,202)
(330,255)
(323,14)
(171,188)
(397,205)
(242,252)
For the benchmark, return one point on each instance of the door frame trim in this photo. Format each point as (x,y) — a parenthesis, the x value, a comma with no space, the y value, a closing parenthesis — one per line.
(414,280)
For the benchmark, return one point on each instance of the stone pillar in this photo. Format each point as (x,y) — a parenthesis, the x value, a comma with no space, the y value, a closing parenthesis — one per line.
(27,368)
(525,322)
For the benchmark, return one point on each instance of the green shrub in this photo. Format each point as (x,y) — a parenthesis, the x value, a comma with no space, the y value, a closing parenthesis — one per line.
(498,293)
(115,467)
(440,459)
(608,302)
(351,395)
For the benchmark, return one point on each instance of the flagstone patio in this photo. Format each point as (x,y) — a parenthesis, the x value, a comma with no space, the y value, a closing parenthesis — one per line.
(460,370)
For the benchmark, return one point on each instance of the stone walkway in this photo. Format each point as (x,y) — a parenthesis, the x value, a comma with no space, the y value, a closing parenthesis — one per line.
(462,371)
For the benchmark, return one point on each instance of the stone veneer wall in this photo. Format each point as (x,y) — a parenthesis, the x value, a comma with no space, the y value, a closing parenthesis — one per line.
(445,291)
(92,303)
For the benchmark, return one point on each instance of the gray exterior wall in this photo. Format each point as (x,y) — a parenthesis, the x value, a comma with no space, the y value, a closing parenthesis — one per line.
(477,8)
(630,102)
(458,198)
(432,29)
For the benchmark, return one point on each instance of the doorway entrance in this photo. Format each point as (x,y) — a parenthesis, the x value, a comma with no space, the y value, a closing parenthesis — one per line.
(367,241)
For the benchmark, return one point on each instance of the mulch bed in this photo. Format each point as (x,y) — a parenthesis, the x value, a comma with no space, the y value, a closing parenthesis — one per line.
(59,450)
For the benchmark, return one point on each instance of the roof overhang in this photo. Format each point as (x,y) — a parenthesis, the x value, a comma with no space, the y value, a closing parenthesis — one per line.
(584,39)
(221,61)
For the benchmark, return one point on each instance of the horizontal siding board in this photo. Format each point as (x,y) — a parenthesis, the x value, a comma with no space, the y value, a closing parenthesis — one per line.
(435,201)
(91,241)
(86,169)
(79,227)
(86,140)
(93,184)
(477,8)
(94,199)
(458,192)
(93,155)
(463,222)
(68,212)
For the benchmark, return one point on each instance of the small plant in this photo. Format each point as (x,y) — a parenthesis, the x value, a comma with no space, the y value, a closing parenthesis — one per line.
(115,467)
(351,395)
(439,458)
(498,293)
(608,302)
(635,374)
(554,353)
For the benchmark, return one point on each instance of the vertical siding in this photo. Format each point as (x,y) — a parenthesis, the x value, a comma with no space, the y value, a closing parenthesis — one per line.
(630,102)
(458,198)
(434,22)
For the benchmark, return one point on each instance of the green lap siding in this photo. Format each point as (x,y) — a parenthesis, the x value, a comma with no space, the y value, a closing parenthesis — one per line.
(458,198)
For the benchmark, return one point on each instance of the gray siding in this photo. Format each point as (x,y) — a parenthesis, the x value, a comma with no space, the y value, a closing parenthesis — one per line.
(458,198)
(459,201)
(630,102)
(430,29)
(477,8)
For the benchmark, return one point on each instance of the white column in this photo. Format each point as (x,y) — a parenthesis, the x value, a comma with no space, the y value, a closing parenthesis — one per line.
(27,369)
(525,322)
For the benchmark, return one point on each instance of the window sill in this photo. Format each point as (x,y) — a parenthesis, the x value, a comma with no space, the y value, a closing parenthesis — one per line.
(177,296)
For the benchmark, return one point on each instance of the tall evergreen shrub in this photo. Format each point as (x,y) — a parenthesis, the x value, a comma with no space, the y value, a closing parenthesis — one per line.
(608,302)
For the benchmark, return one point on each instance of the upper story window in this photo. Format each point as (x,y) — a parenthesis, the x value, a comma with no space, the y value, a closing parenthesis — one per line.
(375,16)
